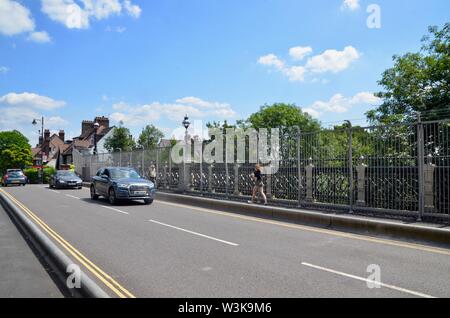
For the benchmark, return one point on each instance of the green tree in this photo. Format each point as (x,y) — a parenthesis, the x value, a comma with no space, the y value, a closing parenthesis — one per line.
(150,137)
(9,138)
(16,157)
(281,115)
(418,82)
(15,151)
(120,139)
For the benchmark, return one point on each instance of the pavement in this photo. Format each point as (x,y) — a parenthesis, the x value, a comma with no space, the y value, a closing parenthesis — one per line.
(21,272)
(174,250)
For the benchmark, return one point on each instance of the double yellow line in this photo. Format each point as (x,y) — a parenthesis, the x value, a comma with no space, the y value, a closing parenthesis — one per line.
(118,289)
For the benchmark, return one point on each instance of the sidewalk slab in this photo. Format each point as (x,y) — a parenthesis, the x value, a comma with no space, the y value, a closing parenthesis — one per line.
(22,275)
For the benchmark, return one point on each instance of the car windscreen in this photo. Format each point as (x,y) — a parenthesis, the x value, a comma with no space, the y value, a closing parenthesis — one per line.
(15,174)
(124,174)
(66,174)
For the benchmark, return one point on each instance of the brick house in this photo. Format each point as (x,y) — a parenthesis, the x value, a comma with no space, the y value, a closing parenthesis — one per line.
(49,148)
(85,142)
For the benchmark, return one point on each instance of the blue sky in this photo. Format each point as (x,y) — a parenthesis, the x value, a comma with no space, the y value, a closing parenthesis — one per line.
(152,61)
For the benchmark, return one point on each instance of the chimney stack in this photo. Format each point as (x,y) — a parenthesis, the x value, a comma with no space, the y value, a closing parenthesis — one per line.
(46,135)
(62,135)
(103,121)
(86,125)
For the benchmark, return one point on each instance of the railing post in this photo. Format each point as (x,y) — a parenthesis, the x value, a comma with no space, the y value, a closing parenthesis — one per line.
(236,179)
(299,168)
(309,181)
(361,172)
(165,177)
(429,185)
(269,185)
(350,166)
(210,187)
(420,162)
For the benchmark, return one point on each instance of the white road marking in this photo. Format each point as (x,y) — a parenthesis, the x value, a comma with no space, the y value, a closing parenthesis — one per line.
(194,233)
(55,191)
(400,289)
(116,210)
(424,248)
(73,197)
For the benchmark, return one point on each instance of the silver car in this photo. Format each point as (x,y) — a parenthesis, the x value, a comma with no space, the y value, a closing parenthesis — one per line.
(121,184)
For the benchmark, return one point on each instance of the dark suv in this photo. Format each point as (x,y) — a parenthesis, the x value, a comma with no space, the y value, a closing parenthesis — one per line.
(121,184)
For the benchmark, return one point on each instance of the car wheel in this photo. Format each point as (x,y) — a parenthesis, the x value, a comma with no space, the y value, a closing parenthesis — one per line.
(94,196)
(148,201)
(112,197)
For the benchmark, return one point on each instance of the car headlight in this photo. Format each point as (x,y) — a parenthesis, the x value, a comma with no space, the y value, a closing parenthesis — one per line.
(122,185)
(61,181)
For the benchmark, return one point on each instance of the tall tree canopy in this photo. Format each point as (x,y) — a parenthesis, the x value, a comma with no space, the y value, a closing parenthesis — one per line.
(121,139)
(282,115)
(418,82)
(15,151)
(150,137)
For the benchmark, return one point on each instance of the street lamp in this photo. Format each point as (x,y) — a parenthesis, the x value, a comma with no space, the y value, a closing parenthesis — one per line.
(34,123)
(96,127)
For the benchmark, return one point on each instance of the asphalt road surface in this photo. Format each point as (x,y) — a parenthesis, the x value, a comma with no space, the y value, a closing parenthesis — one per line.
(173,250)
(22,273)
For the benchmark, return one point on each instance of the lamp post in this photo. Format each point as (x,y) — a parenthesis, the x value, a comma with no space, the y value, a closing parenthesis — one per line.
(96,127)
(34,123)
(186,123)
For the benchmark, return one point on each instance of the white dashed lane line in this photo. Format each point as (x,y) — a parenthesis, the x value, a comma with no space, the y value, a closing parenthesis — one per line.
(194,233)
(400,289)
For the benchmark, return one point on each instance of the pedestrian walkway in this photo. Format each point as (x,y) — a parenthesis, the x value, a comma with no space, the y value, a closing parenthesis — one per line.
(21,273)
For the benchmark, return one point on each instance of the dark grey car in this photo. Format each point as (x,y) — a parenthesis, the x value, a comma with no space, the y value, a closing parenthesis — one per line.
(65,179)
(118,184)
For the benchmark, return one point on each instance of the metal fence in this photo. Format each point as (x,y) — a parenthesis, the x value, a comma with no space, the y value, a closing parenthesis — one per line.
(398,170)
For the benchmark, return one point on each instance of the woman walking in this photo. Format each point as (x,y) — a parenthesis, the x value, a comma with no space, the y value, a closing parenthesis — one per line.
(259,185)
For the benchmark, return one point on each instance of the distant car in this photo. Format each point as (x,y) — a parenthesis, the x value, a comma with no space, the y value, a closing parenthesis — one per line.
(118,184)
(14,177)
(65,179)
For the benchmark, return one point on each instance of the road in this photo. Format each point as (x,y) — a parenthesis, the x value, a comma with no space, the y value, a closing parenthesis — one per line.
(22,273)
(173,250)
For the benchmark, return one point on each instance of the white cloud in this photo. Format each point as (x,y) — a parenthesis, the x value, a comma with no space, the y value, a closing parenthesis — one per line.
(332,60)
(271,60)
(4,69)
(314,113)
(294,73)
(133,10)
(350,5)
(14,18)
(102,9)
(329,61)
(298,53)
(118,29)
(56,122)
(19,110)
(39,37)
(138,115)
(340,104)
(74,16)
(30,100)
